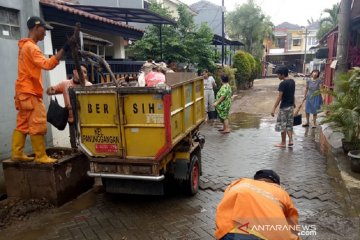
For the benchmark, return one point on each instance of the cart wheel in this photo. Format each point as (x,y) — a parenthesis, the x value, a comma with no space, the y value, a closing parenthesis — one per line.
(191,185)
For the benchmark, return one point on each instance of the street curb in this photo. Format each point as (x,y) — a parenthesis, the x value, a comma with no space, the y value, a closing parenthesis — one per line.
(330,143)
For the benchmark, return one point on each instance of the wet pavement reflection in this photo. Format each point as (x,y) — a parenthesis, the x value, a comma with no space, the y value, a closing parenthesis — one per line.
(310,178)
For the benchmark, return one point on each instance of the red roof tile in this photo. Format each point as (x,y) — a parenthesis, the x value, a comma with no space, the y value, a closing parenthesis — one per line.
(66,7)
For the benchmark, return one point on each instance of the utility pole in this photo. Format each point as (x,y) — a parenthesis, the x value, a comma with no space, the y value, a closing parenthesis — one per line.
(304,67)
(343,37)
(223,34)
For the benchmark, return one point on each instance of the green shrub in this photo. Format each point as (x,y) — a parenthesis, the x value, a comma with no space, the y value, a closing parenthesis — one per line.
(253,66)
(344,111)
(258,67)
(230,72)
(243,69)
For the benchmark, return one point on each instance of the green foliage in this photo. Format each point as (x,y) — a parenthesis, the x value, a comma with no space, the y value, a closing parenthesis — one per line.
(250,25)
(230,72)
(184,43)
(243,69)
(252,65)
(344,111)
(258,67)
(329,22)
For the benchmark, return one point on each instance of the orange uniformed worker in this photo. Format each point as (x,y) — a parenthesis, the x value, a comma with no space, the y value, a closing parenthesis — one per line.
(257,209)
(31,116)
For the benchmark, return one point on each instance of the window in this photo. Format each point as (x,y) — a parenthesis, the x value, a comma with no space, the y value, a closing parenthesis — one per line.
(312,41)
(9,23)
(280,42)
(296,42)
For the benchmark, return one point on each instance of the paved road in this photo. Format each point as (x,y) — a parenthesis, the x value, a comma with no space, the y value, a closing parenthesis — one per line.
(306,174)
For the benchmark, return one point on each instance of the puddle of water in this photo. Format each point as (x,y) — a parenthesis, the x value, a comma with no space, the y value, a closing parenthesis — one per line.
(243,120)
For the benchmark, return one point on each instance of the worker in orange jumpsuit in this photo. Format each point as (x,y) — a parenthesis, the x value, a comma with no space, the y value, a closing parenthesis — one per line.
(31,116)
(257,209)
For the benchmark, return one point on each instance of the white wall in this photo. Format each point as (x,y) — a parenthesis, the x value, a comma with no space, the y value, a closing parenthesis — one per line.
(59,138)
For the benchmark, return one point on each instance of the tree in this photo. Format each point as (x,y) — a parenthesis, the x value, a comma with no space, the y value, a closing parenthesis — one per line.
(329,22)
(248,24)
(184,43)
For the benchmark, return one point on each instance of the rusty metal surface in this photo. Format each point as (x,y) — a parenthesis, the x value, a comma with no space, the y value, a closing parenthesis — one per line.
(59,183)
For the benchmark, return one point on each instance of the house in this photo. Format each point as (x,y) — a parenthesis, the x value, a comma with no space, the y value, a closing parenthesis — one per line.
(172,6)
(291,46)
(329,43)
(211,14)
(103,30)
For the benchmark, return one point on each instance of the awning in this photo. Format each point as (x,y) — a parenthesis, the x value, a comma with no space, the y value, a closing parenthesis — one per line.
(57,12)
(126,15)
(89,39)
(218,40)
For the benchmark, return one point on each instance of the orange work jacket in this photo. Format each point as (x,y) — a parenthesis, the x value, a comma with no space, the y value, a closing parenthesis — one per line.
(259,208)
(30,62)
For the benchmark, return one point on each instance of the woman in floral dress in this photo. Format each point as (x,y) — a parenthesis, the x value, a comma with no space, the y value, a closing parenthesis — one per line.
(223,103)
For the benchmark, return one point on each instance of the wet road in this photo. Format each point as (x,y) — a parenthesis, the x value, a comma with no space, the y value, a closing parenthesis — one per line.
(305,173)
(311,179)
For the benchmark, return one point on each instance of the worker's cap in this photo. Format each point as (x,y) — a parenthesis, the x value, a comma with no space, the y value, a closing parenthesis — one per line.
(33,21)
(268,174)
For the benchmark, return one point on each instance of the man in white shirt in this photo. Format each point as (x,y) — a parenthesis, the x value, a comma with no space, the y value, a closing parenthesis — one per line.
(209,97)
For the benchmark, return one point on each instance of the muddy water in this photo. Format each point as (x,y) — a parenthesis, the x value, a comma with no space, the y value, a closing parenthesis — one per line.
(38,226)
(243,120)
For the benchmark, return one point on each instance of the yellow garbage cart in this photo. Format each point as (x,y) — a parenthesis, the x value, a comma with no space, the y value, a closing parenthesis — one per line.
(138,138)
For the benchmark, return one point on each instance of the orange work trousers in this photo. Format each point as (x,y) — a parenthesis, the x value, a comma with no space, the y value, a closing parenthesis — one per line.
(31,117)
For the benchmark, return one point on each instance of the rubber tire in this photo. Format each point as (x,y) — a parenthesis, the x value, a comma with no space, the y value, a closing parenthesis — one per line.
(188,184)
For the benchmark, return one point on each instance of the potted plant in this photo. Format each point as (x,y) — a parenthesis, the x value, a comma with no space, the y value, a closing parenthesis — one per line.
(355,160)
(344,111)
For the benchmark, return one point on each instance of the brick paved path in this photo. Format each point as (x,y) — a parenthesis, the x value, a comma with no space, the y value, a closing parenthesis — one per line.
(306,174)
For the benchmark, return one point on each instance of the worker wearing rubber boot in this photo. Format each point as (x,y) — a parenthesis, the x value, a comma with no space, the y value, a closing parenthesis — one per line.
(31,116)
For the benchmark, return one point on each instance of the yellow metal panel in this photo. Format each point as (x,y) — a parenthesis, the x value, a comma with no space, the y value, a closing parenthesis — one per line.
(144,124)
(98,108)
(176,98)
(182,155)
(144,142)
(176,124)
(189,117)
(99,124)
(144,109)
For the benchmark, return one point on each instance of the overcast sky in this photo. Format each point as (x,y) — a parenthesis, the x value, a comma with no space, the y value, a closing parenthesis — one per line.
(293,11)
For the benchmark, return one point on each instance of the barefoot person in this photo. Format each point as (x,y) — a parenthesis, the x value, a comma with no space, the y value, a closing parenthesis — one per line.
(286,96)
(223,103)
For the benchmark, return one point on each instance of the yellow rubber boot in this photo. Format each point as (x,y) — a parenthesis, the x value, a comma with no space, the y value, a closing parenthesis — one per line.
(38,144)
(18,143)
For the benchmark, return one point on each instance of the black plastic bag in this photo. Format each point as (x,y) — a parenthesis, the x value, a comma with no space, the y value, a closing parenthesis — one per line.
(57,115)
(297,120)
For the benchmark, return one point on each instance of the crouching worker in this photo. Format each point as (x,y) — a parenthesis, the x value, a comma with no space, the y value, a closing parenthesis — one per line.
(256,209)
(31,116)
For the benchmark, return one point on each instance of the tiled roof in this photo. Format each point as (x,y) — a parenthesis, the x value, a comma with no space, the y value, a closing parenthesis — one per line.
(314,26)
(287,25)
(203,4)
(66,7)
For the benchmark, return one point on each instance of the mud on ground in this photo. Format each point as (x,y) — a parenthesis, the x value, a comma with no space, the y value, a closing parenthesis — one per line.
(14,210)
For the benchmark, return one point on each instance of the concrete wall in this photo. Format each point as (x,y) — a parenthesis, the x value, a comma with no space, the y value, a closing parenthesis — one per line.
(8,69)
(212,16)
